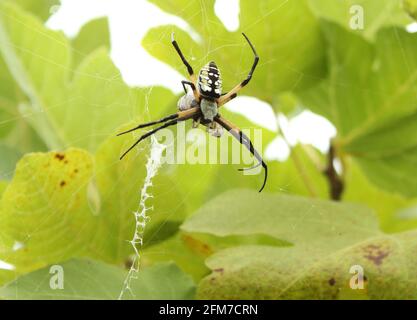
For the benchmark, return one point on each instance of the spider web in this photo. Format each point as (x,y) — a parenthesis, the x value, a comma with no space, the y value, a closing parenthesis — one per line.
(152,167)
(141,215)
(153,164)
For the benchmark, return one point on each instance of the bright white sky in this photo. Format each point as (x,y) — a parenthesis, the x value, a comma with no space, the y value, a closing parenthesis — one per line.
(129,22)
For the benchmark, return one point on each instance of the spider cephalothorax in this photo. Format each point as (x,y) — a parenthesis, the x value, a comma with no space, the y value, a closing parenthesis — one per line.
(201,105)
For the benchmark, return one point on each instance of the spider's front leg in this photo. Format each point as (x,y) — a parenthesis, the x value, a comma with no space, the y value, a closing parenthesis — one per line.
(190,70)
(193,88)
(233,93)
(168,121)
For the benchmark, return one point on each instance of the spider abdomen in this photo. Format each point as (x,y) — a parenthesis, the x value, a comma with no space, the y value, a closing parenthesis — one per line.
(186,102)
(209,81)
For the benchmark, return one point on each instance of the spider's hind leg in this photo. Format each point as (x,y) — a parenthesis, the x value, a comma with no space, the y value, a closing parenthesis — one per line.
(196,122)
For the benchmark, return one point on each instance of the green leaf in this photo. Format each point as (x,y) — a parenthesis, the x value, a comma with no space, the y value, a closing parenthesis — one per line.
(3,185)
(8,98)
(189,250)
(22,137)
(328,239)
(410,6)
(219,177)
(186,251)
(376,14)
(44,216)
(302,173)
(285,103)
(41,8)
(8,160)
(119,184)
(91,280)
(387,205)
(6,276)
(93,35)
(35,55)
(95,101)
(389,155)
(9,93)
(370,97)
(200,182)
(289,218)
(232,53)
(57,191)
(100,102)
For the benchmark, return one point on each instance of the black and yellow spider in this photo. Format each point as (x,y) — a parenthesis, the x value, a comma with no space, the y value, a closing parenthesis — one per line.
(202,105)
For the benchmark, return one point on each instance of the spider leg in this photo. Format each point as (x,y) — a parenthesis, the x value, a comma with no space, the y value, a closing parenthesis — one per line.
(189,68)
(149,133)
(148,124)
(185,115)
(196,122)
(195,92)
(243,139)
(180,114)
(226,99)
(233,93)
(183,82)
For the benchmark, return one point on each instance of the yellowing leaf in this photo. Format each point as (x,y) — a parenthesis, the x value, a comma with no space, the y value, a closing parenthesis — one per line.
(44,215)
(410,6)
(328,239)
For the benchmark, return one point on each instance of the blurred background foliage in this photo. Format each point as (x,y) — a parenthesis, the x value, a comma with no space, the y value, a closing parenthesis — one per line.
(67,199)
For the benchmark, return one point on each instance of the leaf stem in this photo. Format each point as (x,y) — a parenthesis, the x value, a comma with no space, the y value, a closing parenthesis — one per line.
(336,183)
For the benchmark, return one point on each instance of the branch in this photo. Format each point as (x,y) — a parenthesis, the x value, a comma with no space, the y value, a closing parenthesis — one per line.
(335,181)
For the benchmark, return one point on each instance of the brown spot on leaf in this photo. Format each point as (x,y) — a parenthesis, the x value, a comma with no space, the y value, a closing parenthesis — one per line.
(197,245)
(60,156)
(63,183)
(332,281)
(218,270)
(75,170)
(128,263)
(375,253)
